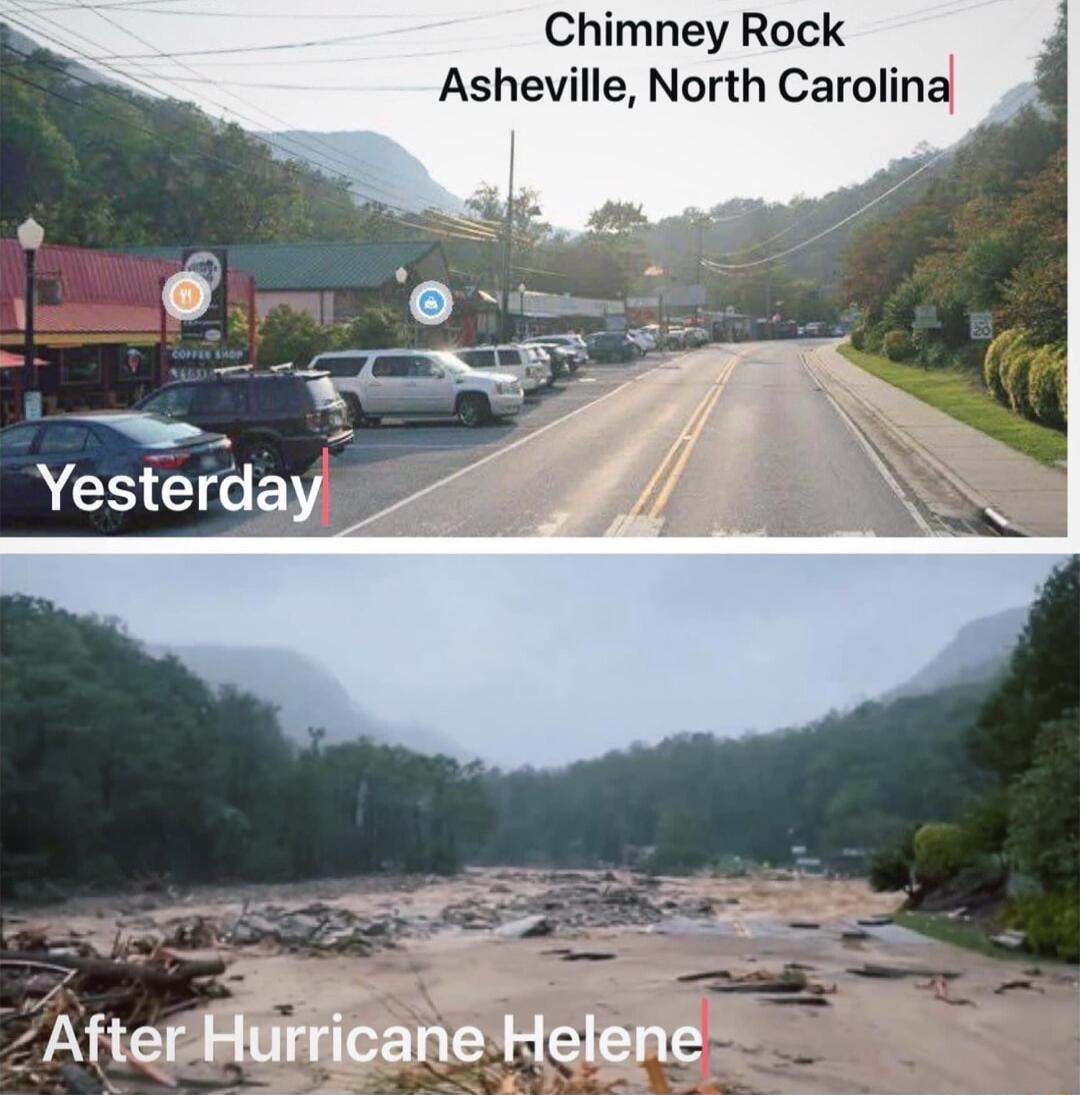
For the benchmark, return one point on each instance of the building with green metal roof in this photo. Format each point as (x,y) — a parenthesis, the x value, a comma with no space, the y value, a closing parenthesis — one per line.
(331,281)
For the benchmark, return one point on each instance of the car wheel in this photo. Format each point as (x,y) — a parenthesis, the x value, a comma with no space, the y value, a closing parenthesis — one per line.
(107,521)
(265,459)
(472,409)
(356,412)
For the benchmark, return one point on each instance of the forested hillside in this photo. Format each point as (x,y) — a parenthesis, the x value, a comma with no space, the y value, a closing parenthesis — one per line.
(115,763)
(988,235)
(105,166)
(853,779)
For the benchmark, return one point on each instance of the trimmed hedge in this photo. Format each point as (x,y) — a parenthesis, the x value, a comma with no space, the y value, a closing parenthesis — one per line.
(940,851)
(899,346)
(1048,386)
(1015,371)
(1032,380)
(1050,921)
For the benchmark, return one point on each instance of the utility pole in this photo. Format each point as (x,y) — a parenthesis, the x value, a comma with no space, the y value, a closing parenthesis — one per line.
(700,259)
(504,317)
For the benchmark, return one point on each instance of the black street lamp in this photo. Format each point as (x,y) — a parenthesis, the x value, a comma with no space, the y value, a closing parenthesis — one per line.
(31,236)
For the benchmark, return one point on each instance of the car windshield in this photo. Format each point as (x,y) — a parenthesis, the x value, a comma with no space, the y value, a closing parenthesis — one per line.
(153,429)
(453,364)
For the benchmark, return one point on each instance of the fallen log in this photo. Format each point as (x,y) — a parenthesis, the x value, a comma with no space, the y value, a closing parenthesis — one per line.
(871,969)
(105,969)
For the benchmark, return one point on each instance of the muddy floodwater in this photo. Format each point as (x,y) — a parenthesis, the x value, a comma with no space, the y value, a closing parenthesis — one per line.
(631,951)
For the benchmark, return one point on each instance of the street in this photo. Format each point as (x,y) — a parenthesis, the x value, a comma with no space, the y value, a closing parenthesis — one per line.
(727,440)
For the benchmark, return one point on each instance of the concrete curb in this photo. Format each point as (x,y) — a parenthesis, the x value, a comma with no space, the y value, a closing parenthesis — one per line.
(987,511)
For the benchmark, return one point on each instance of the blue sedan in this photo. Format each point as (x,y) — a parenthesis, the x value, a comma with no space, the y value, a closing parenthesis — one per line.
(100,446)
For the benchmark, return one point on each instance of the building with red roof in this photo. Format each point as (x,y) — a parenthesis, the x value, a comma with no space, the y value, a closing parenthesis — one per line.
(99,325)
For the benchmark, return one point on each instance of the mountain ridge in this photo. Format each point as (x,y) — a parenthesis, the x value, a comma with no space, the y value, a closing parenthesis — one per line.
(305,694)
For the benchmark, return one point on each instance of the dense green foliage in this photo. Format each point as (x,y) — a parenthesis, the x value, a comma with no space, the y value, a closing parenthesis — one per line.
(1027,734)
(853,779)
(987,234)
(286,334)
(940,851)
(898,346)
(115,763)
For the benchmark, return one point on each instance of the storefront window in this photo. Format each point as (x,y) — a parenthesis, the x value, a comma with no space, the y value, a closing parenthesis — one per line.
(81,365)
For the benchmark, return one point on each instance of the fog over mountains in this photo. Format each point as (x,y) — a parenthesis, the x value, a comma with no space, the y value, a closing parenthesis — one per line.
(309,696)
(978,652)
(305,694)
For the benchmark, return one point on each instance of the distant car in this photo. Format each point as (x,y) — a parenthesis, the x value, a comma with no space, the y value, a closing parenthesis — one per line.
(101,445)
(574,343)
(611,346)
(644,337)
(279,420)
(530,371)
(562,359)
(675,339)
(641,345)
(399,383)
(697,336)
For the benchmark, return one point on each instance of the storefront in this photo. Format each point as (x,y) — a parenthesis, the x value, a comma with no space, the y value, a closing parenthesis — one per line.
(99,327)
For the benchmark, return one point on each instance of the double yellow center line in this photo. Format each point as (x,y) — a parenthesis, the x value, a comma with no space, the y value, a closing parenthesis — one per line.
(662,483)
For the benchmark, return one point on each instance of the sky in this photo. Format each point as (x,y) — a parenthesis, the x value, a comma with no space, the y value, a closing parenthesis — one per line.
(666,156)
(544,659)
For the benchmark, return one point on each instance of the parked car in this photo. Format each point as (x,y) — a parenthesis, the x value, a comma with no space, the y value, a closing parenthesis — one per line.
(697,336)
(278,420)
(640,345)
(611,346)
(574,343)
(102,444)
(562,360)
(531,373)
(553,364)
(401,383)
(645,338)
(675,339)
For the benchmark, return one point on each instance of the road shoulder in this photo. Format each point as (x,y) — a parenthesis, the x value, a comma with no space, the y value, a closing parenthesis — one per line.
(1006,487)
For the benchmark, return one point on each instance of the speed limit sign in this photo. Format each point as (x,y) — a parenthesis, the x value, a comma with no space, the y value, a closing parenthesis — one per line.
(982,326)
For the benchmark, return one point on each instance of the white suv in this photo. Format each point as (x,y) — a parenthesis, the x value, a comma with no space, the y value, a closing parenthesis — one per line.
(516,360)
(377,384)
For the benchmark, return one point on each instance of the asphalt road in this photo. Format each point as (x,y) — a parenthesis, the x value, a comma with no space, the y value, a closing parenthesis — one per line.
(732,440)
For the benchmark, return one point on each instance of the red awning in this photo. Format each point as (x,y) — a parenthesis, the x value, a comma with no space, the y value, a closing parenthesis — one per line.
(15,361)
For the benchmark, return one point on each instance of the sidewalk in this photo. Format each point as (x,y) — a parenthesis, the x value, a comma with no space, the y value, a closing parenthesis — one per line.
(1032,496)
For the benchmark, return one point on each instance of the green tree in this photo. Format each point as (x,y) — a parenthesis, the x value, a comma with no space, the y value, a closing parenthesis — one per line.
(617,218)
(1044,813)
(371,329)
(287,334)
(1041,683)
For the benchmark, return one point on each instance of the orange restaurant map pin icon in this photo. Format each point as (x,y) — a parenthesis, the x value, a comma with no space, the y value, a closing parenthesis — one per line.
(186,295)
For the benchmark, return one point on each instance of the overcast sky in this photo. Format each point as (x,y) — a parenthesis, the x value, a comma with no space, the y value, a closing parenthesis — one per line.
(666,156)
(543,659)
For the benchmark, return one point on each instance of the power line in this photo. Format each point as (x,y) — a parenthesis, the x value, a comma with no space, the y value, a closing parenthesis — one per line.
(873,27)
(723,267)
(329,41)
(138,9)
(353,180)
(397,220)
(150,45)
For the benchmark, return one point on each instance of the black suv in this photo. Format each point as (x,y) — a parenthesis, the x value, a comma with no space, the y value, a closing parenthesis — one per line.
(279,421)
